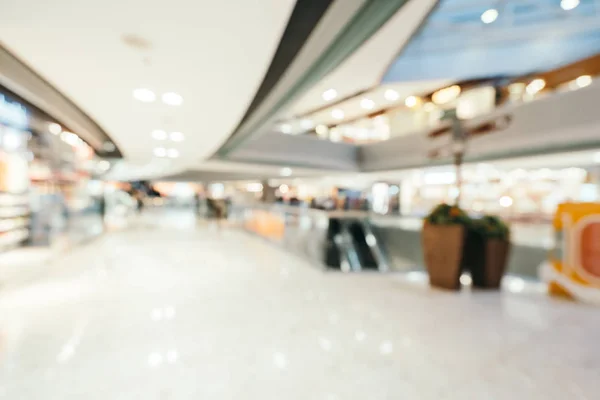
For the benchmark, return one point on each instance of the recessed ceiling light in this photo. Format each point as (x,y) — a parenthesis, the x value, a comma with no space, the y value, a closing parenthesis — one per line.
(535,86)
(172,99)
(286,171)
(367,104)
(173,153)
(144,95)
(329,94)
(306,124)
(568,5)
(410,101)
(446,95)
(285,128)
(159,134)
(489,16)
(176,136)
(54,128)
(583,81)
(160,152)
(337,114)
(321,129)
(391,95)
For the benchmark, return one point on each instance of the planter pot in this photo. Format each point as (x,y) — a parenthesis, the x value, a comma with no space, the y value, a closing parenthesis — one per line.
(487,260)
(442,252)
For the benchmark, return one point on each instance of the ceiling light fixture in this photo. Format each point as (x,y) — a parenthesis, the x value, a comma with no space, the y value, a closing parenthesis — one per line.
(337,114)
(159,134)
(568,5)
(144,95)
(446,95)
(322,129)
(489,16)
(329,94)
(160,152)
(411,101)
(172,99)
(535,86)
(583,81)
(286,171)
(54,128)
(176,136)
(173,153)
(367,104)
(391,95)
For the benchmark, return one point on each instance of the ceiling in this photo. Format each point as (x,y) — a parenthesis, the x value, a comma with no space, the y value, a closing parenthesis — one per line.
(96,53)
(353,108)
(527,36)
(365,68)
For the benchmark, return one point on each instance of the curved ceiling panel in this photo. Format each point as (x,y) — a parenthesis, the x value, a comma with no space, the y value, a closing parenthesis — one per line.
(467,39)
(213,54)
(344,28)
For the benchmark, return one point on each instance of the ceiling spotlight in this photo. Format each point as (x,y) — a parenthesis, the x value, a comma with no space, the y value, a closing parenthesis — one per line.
(535,86)
(568,5)
(410,101)
(583,81)
(144,95)
(306,124)
(173,153)
(446,95)
(489,16)
(321,129)
(329,94)
(176,136)
(54,128)
(160,152)
(285,171)
(337,114)
(159,134)
(367,104)
(172,99)
(108,146)
(391,95)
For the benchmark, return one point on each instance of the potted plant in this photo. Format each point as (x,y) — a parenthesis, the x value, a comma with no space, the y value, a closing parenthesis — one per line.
(487,251)
(443,240)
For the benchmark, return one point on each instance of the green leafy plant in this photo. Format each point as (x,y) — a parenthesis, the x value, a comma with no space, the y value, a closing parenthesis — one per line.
(445,214)
(491,227)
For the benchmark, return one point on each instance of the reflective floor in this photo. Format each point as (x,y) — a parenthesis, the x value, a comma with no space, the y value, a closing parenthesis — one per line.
(173,309)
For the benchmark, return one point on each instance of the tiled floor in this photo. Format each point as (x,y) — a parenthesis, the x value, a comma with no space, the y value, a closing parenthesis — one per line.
(168,309)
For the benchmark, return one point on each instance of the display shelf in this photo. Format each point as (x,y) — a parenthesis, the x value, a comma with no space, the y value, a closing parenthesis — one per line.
(13,238)
(9,199)
(7,225)
(12,212)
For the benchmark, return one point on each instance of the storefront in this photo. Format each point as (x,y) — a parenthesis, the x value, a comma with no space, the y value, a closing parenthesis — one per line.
(41,174)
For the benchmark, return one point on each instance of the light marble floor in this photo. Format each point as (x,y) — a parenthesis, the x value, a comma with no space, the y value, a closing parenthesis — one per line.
(172,310)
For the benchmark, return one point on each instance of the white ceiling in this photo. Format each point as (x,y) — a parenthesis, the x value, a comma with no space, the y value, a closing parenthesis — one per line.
(214,54)
(365,68)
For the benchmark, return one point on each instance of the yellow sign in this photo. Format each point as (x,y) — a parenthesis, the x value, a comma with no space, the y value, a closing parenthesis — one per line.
(574,269)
